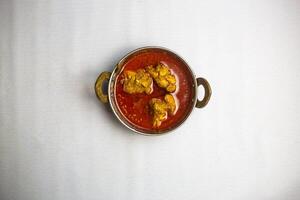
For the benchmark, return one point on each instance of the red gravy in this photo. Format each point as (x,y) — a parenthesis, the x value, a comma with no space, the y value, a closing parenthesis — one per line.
(135,108)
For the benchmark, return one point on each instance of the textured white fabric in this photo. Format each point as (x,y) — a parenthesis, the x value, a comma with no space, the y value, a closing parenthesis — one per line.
(57,141)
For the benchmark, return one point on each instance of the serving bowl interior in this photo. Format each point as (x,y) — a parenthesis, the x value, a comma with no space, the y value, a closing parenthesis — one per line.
(133,110)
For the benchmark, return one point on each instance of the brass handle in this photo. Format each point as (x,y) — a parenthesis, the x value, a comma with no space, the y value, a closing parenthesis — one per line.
(98,86)
(207,94)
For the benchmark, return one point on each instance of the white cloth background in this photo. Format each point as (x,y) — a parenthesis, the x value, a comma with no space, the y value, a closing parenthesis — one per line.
(57,141)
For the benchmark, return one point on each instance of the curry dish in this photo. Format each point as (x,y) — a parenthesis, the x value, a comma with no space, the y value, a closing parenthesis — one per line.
(154,90)
(141,81)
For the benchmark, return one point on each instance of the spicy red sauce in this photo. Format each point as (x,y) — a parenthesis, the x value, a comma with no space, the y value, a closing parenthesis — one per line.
(135,107)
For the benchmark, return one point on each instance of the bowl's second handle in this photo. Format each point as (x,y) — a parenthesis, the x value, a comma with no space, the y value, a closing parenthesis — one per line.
(104,76)
(207,92)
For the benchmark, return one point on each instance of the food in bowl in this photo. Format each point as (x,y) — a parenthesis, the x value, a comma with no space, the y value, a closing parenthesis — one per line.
(141,81)
(152,90)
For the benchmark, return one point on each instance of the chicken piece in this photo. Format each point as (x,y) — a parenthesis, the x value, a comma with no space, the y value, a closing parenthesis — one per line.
(171,79)
(162,82)
(152,71)
(161,109)
(171,88)
(171,103)
(162,70)
(163,77)
(137,82)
